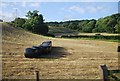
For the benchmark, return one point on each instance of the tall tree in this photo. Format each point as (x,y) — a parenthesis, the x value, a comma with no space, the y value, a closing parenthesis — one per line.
(35,23)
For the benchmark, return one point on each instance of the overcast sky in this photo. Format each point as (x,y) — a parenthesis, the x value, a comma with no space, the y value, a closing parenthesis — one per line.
(59,11)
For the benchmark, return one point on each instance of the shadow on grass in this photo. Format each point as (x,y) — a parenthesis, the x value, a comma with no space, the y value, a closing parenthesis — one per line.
(56,52)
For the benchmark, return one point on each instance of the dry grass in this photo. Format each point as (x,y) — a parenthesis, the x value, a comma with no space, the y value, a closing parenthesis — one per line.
(70,58)
(105,34)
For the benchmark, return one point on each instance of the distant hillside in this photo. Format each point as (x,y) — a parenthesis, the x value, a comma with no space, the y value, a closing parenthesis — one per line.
(109,24)
(58,31)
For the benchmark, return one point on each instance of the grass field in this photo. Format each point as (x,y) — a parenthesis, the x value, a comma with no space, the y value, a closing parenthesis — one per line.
(59,31)
(105,34)
(62,31)
(69,59)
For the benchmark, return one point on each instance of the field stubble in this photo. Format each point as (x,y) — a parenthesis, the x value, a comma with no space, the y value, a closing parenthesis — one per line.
(69,59)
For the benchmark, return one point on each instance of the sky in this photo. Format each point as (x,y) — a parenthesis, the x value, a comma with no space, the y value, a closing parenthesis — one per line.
(58,11)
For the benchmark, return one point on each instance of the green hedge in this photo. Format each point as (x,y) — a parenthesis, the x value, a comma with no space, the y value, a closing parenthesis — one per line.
(93,36)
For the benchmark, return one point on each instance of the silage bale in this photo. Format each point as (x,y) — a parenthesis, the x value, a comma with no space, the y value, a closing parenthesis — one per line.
(118,48)
(30,52)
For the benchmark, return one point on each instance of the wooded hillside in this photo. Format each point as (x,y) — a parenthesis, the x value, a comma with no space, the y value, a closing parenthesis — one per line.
(109,24)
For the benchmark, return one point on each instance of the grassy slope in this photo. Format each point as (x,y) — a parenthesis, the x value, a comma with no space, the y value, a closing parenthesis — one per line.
(65,31)
(70,58)
(58,31)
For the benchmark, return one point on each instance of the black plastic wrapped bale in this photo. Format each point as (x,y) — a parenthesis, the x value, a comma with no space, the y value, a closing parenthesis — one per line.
(30,52)
(36,51)
(47,43)
(46,46)
(118,48)
(98,34)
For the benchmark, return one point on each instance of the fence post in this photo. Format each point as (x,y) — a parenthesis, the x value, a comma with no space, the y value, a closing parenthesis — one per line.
(104,73)
(37,75)
(118,50)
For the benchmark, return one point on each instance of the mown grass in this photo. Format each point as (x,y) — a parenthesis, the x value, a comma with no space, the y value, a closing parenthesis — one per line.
(94,37)
(109,40)
(70,59)
(118,41)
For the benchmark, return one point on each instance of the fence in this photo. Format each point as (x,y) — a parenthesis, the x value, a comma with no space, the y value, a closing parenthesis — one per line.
(107,75)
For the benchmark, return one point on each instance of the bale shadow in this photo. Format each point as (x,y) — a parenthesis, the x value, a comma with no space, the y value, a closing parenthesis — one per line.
(56,52)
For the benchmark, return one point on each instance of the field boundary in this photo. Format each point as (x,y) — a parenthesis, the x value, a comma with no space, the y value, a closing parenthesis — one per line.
(108,75)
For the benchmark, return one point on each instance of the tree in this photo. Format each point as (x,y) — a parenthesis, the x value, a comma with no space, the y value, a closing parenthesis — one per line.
(117,28)
(109,24)
(18,22)
(73,25)
(32,14)
(89,26)
(99,26)
(35,23)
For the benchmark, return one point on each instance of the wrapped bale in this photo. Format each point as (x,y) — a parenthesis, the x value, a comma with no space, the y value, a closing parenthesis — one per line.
(30,52)
(36,51)
(118,48)
(46,46)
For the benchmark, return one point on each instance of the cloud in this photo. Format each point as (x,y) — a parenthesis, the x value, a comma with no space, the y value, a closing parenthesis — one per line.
(23,4)
(87,9)
(68,17)
(7,16)
(15,8)
(3,5)
(62,8)
(91,9)
(94,9)
(24,17)
(77,9)
(0,14)
(34,4)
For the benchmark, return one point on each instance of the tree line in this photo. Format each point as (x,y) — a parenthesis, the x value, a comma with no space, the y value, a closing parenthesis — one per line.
(34,23)
(109,24)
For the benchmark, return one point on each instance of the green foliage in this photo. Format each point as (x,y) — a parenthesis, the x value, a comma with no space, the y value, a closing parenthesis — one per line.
(73,25)
(40,28)
(117,28)
(93,37)
(34,23)
(55,24)
(88,26)
(99,26)
(109,24)
(32,14)
(18,22)
(82,25)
